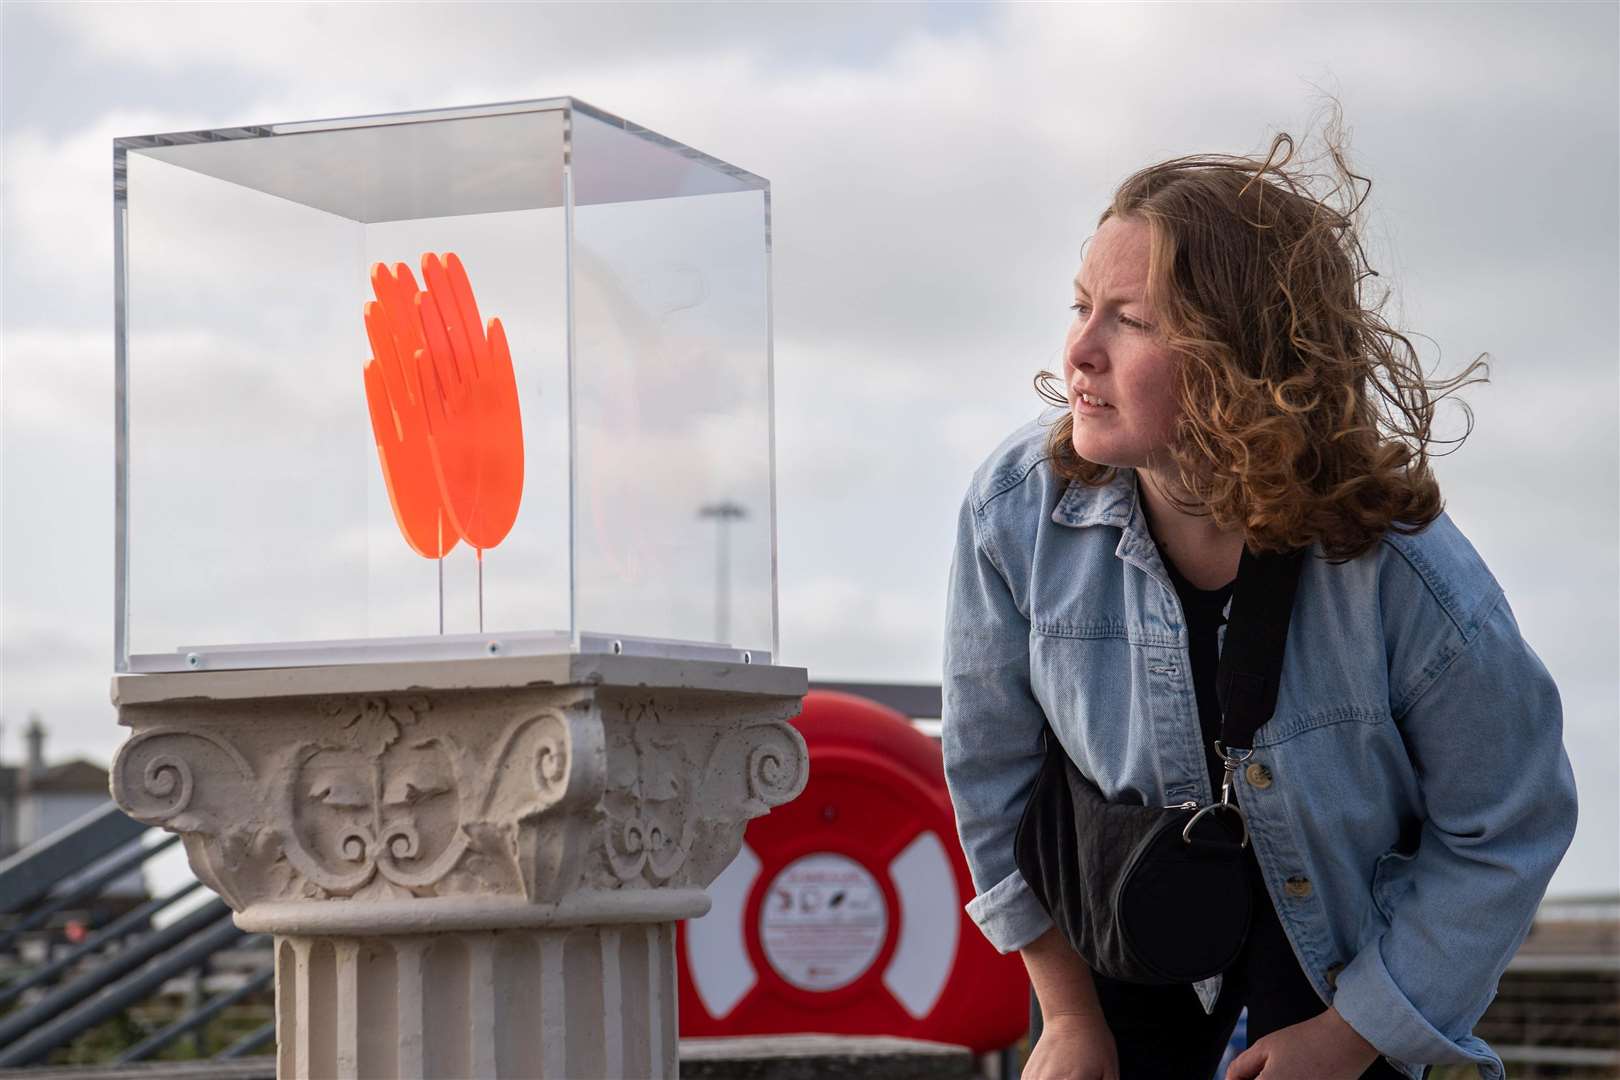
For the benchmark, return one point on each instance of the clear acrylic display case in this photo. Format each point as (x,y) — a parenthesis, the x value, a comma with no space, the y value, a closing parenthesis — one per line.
(256,526)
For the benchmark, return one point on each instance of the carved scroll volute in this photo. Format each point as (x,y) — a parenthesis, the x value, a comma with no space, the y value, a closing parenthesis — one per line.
(544,787)
(778,766)
(199,785)
(750,772)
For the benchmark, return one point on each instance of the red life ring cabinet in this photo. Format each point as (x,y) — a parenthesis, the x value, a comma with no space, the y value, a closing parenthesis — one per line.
(843,912)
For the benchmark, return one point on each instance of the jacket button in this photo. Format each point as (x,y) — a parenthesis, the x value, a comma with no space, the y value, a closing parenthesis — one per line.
(1333,974)
(1258,775)
(1297,886)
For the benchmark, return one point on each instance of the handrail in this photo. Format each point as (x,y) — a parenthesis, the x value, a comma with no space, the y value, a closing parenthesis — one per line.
(248,1043)
(124,924)
(916,700)
(88,887)
(33,872)
(114,999)
(116,966)
(196,1018)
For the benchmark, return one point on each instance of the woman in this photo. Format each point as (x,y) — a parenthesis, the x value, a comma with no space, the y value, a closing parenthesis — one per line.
(1410,797)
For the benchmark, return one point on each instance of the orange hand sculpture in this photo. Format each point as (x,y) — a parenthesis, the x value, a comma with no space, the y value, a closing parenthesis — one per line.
(444,409)
(475,426)
(395,394)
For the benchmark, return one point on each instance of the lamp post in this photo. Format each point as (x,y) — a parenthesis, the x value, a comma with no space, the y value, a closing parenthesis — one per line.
(724,512)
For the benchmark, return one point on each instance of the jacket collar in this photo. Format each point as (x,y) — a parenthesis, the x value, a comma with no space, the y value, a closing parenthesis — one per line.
(1117,503)
(1113,503)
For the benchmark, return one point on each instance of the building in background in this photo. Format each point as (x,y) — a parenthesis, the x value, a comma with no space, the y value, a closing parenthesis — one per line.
(37,798)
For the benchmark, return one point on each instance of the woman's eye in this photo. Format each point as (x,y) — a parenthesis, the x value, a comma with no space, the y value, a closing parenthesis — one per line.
(1081,309)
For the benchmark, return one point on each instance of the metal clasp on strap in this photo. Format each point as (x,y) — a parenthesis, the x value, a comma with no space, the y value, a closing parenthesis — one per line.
(1230,760)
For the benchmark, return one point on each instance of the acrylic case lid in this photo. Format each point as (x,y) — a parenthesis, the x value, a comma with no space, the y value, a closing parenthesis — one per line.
(468,382)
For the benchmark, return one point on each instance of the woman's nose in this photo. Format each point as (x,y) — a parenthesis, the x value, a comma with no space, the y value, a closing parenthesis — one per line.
(1085,347)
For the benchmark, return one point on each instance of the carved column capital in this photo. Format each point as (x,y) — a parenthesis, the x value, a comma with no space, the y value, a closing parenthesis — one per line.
(461,807)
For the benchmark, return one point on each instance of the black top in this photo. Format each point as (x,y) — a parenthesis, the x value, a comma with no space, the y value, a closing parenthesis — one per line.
(1202,608)
(1267,976)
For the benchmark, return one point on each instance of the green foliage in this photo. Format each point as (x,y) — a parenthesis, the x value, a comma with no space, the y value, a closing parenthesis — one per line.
(105,1042)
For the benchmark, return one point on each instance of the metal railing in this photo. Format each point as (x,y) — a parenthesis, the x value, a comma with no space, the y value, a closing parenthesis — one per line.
(118,965)
(28,876)
(920,701)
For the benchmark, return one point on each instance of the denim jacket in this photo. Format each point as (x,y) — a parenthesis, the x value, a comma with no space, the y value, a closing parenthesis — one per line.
(1407,801)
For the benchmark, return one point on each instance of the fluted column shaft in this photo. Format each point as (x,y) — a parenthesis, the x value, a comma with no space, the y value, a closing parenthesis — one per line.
(575,1002)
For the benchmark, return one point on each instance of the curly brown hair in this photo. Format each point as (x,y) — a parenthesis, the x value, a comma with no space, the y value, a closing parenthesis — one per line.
(1256,286)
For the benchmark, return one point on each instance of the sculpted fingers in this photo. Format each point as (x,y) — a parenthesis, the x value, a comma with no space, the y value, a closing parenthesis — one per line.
(444,406)
(407,469)
(440,358)
(396,401)
(394,319)
(432,393)
(388,368)
(396,291)
(501,420)
(457,331)
(467,305)
(384,425)
(500,356)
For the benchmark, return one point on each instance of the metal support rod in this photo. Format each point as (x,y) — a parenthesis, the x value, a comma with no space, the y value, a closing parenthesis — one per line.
(248,1043)
(722,593)
(31,873)
(116,966)
(190,1022)
(87,888)
(116,998)
(114,930)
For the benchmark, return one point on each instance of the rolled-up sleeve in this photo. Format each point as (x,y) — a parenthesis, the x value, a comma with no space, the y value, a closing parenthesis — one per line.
(990,733)
(1486,736)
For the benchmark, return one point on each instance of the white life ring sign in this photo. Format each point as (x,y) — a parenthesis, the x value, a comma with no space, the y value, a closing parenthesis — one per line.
(824,922)
(843,910)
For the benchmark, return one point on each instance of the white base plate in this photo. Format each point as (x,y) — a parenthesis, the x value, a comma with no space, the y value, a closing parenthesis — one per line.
(278,654)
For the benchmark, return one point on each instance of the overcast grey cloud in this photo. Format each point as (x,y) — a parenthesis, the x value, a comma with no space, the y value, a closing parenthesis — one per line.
(935,169)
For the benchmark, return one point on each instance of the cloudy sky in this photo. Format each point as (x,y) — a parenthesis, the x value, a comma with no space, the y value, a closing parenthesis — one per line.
(934,170)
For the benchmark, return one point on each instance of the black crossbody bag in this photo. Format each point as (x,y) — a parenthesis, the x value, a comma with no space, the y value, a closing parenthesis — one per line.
(1151,894)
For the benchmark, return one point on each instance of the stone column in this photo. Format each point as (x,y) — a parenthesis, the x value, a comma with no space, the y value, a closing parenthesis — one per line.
(471,868)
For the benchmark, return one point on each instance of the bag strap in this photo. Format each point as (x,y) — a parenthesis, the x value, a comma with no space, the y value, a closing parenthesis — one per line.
(1250,666)
(1249,670)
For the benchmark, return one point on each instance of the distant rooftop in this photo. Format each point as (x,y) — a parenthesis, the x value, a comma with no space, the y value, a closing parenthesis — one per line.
(70,777)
